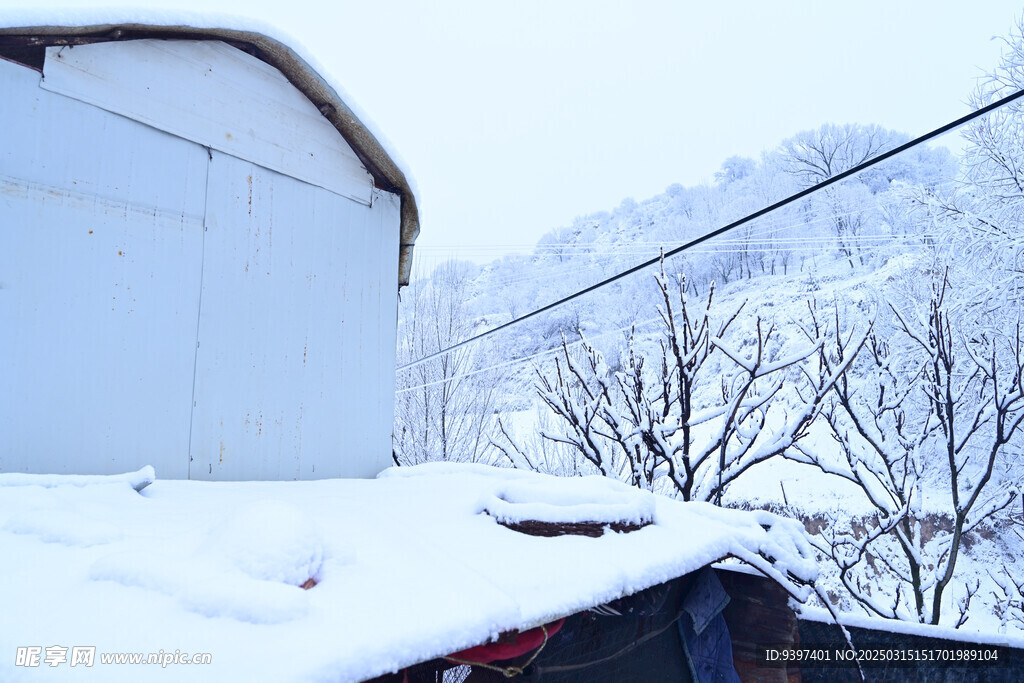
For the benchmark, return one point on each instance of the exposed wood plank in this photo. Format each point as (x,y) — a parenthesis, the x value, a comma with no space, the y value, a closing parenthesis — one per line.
(217,96)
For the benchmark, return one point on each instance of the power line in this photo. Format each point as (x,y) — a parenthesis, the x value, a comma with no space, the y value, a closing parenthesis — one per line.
(537,249)
(809,246)
(766,237)
(532,356)
(870,251)
(941,130)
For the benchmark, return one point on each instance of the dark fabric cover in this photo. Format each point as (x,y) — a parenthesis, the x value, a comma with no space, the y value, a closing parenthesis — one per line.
(704,633)
(629,639)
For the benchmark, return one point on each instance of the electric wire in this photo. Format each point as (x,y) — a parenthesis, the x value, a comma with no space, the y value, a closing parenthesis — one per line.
(751,242)
(640,325)
(748,244)
(760,238)
(445,252)
(828,182)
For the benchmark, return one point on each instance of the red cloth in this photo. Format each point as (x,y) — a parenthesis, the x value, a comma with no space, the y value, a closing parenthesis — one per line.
(520,644)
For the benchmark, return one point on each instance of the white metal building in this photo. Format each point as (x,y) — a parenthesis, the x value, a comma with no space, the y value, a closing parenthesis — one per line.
(200,253)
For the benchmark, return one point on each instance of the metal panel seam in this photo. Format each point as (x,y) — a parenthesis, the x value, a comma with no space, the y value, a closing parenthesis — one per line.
(199,310)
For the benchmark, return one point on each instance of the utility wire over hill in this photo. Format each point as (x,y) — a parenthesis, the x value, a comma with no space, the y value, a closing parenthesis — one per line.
(942,130)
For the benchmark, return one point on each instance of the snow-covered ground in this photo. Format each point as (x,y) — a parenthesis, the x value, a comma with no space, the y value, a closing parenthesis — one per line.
(408,566)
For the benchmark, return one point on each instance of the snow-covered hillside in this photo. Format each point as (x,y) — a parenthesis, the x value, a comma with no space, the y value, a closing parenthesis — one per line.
(852,360)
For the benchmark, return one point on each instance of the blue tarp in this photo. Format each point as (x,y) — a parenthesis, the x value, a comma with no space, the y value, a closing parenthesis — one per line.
(704,632)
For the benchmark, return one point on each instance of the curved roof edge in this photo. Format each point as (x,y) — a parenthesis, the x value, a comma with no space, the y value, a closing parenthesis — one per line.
(385,170)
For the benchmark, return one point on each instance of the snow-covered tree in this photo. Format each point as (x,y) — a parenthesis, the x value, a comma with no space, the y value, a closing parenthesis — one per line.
(817,155)
(696,413)
(979,220)
(927,415)
(442,410)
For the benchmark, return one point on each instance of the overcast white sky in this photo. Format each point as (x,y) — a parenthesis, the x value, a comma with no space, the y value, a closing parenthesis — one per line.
(517,117)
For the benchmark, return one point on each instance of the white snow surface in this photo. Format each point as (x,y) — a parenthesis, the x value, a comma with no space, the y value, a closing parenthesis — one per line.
(39,16)
(409,568)
(581,499)
(960,635)
(137,480)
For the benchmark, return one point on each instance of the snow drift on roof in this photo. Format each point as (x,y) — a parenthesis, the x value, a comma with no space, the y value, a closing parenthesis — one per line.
(408,566)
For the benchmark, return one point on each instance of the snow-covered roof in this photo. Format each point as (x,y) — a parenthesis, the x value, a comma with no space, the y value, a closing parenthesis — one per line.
(47,27)
(409,566)
(873,623)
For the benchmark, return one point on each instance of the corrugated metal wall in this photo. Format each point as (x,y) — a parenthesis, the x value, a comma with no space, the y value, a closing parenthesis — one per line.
(295,330)
(165,304)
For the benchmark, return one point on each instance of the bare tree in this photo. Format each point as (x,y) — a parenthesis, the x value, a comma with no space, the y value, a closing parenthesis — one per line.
(1009,598)
(646,424)
(955,407)
(442,409)
(533,452)
(817,155)
(979,219)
